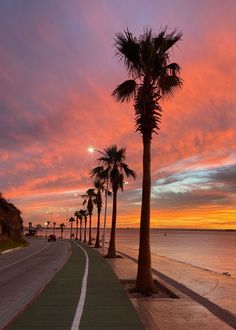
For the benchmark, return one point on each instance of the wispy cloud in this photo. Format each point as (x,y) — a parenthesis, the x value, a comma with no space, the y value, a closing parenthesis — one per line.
(57,71)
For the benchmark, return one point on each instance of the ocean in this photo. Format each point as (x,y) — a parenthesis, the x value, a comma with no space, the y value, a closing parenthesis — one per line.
(212,250)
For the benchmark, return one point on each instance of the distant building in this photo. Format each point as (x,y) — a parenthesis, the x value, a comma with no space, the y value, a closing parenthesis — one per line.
(11,223)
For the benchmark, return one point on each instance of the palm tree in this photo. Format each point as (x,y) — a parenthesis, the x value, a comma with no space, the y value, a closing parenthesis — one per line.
(38,226)
(62,226)
(152,77)
(54,226)
(80,216)
(30,226)
(71,220)
(90,199)
(77,223)
(114,170)
(99,186)
(84,215)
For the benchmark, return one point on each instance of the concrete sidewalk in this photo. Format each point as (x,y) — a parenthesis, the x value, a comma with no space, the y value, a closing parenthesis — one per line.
(207,299)
(106,305)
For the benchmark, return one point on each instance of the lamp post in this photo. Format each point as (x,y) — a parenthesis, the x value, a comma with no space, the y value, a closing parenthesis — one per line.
(90,149)
(47,224)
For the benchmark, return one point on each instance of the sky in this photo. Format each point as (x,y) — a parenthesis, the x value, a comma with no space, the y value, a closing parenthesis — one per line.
(58,68)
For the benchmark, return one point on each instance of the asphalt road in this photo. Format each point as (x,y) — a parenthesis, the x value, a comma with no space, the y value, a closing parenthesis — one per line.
(24,272)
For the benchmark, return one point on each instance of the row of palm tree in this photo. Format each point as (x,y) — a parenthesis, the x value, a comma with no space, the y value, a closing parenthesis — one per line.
(111,173)
(151,77)
(112,169)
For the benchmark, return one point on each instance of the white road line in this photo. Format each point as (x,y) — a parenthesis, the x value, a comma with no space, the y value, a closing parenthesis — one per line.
(80,307)
(14,263)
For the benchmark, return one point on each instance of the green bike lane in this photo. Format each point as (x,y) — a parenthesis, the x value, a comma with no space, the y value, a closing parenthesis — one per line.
(101,303)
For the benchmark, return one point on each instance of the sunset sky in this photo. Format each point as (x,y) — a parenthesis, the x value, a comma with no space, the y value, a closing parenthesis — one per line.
(57,71)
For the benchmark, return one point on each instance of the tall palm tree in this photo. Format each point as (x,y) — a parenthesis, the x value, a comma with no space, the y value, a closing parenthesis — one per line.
(54,226)
(90,199)
(99,186)
(38,227)
(152,76)
(71,220)
(80,216)
(77,223)
(113,168)
(62,226)
(84,215)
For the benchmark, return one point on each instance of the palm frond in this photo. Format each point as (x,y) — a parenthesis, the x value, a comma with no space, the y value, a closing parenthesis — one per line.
(128,171)
(163,42)
(174,68)
(170,84)
(128,50)
(147,50)
(172,38)
(96,171)
(125,91)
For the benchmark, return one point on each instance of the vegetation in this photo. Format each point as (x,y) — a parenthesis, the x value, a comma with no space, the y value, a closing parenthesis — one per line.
(77,223)
(54,226)
(90,200)
(113,169)
(151,77)
(99,186)
(7,243)
(11,223)
(71,220)
(80,216)
(84,215)
(38,227)
(62,226)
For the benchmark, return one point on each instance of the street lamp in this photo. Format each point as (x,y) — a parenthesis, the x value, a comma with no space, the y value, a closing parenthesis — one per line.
(91,149)
(46,224)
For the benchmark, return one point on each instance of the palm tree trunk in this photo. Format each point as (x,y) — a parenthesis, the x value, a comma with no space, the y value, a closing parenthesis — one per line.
(61,233)
(71,229)
(144,280)
(90,229)
(112,245)
(97,244)
(85,225)
(80,230)
(76,233)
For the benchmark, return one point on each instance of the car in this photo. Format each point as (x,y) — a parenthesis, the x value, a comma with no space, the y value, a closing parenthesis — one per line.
(52,238)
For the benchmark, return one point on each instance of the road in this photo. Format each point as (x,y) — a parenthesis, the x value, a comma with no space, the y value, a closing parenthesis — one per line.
(24,272)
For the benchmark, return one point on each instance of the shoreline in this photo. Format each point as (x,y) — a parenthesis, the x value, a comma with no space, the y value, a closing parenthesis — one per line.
(171,259)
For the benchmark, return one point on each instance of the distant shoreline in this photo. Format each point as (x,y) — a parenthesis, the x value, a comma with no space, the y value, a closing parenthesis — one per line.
(158,229)
(180,229)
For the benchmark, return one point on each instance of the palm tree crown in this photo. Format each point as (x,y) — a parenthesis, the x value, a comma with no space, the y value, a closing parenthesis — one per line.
(112,166)
(90,199)
(152,75)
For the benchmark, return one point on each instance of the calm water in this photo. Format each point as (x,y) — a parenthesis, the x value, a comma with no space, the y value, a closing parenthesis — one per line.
(213,250)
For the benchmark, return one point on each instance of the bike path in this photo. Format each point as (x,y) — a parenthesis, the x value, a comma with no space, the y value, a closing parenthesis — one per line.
(106,304)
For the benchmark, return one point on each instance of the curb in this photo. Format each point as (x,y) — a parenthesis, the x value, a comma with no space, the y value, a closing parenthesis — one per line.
(10,250)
